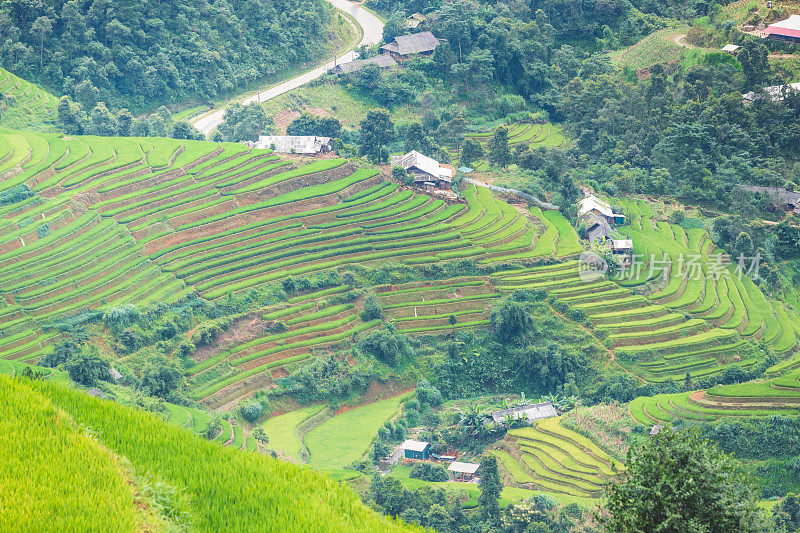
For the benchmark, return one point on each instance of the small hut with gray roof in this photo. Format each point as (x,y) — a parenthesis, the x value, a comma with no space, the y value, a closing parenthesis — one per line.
(408,46)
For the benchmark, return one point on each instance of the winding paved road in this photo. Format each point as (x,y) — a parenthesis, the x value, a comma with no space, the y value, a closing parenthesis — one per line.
(372,29)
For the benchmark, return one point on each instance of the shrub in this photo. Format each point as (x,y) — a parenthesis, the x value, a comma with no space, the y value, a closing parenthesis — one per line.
(251,411)
(86,369)
(372,309)
(429,472)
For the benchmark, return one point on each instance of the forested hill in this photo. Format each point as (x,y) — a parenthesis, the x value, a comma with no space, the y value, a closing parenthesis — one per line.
(137,53)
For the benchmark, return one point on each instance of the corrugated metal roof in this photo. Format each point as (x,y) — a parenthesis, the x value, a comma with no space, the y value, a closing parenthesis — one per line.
(593,203)
(789,27)
(414,445)
(414,159)
(536,411)
(774,92)
(730,47)
(381,60)
(463,468)
(415,43)
(298,144)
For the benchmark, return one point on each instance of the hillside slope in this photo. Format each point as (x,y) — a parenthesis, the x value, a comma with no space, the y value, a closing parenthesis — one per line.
(220,488)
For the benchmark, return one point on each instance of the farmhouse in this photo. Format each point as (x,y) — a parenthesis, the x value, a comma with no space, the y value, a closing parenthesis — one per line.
(115,374)
(415,449)
(427,172)
(463,471)
(622,246)
(787,30)
(408,46)
(530,412)
(781,197)
(382,61)
(731,48)
(776,93)
(415,21)
(598,216)
(592,204)
(295,144)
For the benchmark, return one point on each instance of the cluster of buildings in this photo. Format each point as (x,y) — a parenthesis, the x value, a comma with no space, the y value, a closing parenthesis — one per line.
(598,216)
(415,450)
(402,48)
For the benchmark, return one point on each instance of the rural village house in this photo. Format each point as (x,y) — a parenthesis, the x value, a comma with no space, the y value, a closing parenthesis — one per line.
(383,61)
(408,46)
(415,449)
(530,412)
(427,172)
(598,217)
(776,93)
(787,30)
(781,197)
(295,144)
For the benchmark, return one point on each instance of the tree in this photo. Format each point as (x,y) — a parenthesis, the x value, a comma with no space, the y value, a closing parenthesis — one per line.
(509,321)
(680,482)
(372,309)
(308,124)
(395,25)
(755,64)
(491,487)
(60,354)
(402,175)
(161,377)
(182,130)
(417,140)
(377,130)
(244,123)
(471,152)
(499,151)
(42,26)
(87,368)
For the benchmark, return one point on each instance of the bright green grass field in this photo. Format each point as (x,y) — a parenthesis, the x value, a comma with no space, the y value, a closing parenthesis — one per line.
(346,437)
(281,431)
(509,494)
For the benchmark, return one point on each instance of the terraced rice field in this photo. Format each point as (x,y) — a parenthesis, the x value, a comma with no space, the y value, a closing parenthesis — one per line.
(25,104)
(426,307)
(689,325)
(765,398)
(95,222)
(552,458)
(535,135)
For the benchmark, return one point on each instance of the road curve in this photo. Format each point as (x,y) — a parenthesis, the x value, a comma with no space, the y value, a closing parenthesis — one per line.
(372,29)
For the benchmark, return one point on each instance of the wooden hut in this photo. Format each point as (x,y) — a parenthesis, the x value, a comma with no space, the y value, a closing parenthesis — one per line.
(416,450)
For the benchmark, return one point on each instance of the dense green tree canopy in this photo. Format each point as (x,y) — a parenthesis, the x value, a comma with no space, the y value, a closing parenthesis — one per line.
(678,482)
(136,54)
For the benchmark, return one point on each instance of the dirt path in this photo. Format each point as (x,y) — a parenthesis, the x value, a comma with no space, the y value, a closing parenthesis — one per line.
(680,41)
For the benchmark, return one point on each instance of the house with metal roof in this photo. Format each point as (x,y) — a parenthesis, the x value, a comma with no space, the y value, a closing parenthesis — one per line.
(776,93)
(731,48)
(295,144)
(463,471)
(427,172)
(530,412)
(415,44)
(787,30)
(382,61)
(415,449)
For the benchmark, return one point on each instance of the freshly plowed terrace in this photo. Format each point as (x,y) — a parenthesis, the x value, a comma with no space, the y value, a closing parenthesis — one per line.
(91,222)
